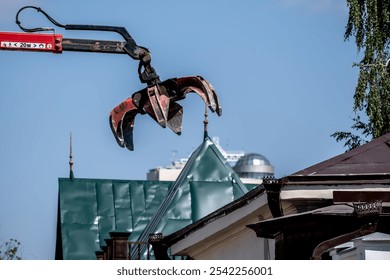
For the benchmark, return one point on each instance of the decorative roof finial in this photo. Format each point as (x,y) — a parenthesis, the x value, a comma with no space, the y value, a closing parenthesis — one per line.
(205,122)
(71,175)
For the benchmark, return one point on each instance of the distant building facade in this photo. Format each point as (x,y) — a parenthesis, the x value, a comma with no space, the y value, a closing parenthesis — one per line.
(167,173)
(252,168)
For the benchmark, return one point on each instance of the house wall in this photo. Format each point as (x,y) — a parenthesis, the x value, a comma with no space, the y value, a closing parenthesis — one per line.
(228,237)
(235,243)
(244,245)
(240,245)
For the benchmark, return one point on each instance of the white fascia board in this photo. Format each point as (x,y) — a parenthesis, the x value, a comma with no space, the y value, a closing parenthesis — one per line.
(219,225)
(325,191)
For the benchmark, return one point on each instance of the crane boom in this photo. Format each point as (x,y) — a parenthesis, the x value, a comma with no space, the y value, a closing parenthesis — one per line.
(158,99)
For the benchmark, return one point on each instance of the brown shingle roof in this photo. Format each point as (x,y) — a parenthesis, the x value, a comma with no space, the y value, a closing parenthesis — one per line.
(372,158)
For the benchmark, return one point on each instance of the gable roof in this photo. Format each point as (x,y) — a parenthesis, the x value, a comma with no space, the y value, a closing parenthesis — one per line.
(206,183)
(91,208)
(371,159)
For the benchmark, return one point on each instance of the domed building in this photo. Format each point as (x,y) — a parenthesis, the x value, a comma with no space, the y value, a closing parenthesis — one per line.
(251,168)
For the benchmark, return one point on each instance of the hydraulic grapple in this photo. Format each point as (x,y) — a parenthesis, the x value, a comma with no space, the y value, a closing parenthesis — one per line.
(158,99)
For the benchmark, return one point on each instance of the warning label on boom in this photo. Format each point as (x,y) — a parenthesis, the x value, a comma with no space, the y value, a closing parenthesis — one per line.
(24,45)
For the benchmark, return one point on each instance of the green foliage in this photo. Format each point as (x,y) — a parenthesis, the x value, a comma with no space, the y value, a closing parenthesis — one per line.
(353,141)
(369,23)
(9,250)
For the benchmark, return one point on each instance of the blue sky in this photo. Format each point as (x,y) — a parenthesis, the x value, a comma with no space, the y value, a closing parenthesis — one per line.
(281,68)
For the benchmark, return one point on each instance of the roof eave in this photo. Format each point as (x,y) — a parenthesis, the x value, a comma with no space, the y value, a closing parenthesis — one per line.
(338,179)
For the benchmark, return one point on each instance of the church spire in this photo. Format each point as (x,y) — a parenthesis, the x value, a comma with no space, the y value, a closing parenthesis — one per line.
(71,175)
(205,122)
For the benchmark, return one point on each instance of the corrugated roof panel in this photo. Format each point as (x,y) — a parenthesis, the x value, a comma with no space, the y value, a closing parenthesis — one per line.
(105,199)
(155,195)
(121,195)
(78,206)
(105,225)
(138,204)
(123,219)
(171,225)
(91,208)
(80,241)
(207,197)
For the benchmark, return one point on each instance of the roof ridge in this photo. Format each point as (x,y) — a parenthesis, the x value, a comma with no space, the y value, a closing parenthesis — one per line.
(170,195)
(207,144)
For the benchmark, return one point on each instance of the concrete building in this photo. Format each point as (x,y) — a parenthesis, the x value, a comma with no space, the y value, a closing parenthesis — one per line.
(251,168)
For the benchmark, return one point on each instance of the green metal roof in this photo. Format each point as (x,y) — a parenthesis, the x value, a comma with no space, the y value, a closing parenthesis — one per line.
(90,208)
(206,183)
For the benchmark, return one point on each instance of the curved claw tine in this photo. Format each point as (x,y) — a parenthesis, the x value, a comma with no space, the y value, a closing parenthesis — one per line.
(212,95)
(122,123)
(175,117)
(127,130)
(192,84)
(117,133)
(203,88)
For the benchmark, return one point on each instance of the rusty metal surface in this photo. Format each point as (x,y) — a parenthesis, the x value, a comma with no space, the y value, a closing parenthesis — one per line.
(159,102)
(121,120)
